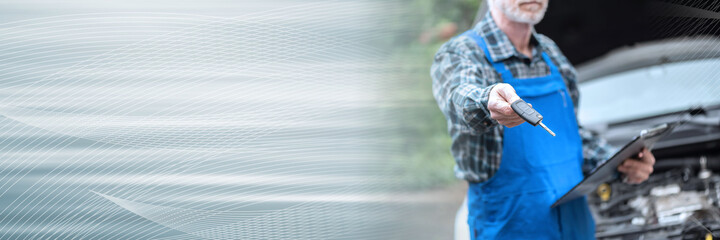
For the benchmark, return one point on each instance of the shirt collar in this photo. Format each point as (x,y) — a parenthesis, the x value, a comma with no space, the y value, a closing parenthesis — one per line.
(498,43)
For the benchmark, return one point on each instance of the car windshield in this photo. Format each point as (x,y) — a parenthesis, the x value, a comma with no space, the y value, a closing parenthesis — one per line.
(650,91)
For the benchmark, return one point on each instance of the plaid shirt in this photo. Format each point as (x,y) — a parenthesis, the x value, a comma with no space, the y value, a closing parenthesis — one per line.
(462,79)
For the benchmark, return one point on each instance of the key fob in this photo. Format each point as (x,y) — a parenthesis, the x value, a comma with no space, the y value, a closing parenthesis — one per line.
(526,112)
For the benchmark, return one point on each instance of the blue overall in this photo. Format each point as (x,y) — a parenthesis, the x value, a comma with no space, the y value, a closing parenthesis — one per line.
(536,169)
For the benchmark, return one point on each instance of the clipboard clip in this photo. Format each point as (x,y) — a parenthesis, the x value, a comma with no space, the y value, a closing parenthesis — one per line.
(657,130)
(662,128)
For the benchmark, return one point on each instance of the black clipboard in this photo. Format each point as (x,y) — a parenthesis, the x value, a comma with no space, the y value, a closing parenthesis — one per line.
(606,170)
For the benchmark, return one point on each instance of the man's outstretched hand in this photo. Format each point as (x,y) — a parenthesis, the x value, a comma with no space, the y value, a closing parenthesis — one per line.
(499,100)
(638,169)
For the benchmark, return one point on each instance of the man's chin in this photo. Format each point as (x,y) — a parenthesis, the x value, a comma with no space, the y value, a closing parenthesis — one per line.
(527,19)
(517,14)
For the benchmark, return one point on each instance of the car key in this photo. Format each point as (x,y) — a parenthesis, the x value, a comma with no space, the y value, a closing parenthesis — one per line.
(529,114)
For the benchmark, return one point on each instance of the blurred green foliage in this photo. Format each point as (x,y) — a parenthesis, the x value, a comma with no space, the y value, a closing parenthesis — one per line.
(461,12)
(424,160)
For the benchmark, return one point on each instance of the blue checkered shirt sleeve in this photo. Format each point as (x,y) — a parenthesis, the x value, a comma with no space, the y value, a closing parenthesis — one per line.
(460,87)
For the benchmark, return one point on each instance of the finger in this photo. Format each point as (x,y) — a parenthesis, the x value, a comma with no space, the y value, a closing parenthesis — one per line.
(504,120)
(499,109)
(507,92)
(631,163)
(510,119)
(513,124)
(637,166)
(634,175)
(508,111)
(497,104)
(638,172)
(637,179)
(622,169)
(512,116)
(633,171)
(641,166)
(638,175)
(648,157)
(505,115)
(515,121)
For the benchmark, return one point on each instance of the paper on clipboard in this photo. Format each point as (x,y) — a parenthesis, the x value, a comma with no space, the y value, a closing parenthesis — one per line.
(606,170)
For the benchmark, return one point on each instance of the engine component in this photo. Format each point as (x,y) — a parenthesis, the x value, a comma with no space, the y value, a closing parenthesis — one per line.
(676,204)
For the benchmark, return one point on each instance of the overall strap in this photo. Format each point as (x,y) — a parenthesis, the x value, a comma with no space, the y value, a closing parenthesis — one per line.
(499,66)
(553,69)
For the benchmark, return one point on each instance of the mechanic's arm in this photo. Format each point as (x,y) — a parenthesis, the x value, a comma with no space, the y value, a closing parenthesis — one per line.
(462,91)
(596,150)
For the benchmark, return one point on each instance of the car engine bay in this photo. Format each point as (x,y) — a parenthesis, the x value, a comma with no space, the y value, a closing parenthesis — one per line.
(681,199)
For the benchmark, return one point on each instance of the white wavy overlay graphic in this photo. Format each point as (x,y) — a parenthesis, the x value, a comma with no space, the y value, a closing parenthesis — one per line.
(262,124)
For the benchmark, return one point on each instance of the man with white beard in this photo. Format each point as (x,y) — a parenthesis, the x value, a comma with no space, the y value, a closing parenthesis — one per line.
(516,171)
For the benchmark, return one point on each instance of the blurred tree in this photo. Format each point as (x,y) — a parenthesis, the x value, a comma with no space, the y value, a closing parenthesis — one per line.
(424,158)
(442,19)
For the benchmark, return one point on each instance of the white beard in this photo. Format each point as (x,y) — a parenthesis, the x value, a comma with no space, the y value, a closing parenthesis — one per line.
(516,15)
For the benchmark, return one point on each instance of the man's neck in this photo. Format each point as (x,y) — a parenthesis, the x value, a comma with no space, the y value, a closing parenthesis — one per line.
(519,33)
